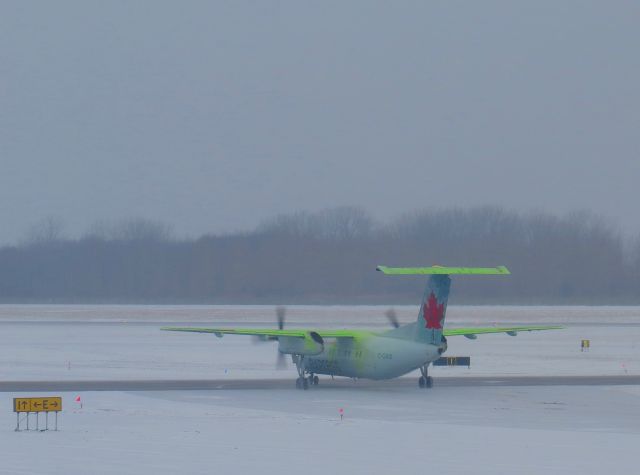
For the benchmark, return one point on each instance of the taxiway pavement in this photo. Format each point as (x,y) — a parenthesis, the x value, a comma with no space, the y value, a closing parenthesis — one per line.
(272,383)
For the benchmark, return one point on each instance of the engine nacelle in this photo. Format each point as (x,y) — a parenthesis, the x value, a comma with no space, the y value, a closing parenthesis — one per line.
(312,344)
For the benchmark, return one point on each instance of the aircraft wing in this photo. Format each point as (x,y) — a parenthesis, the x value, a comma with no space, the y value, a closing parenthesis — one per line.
(472,332)
(266,332)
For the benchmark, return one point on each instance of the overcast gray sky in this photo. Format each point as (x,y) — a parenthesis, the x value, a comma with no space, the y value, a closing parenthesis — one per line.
(212,116)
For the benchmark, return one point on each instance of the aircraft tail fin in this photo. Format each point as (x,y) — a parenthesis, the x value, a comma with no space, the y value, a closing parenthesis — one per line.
(433,307)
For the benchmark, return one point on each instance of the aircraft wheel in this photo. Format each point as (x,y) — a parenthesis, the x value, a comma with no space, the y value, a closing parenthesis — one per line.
(316,380)
(429,382)
(305,384)
(422,382)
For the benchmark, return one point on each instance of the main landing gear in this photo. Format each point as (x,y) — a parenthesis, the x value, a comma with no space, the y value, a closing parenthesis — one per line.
(425,381)
(304,382)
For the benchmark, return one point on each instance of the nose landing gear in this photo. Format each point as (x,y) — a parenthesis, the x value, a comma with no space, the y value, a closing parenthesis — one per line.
(304,382)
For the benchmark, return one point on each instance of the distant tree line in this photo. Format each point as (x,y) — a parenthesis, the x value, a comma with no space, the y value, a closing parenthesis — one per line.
(329,257)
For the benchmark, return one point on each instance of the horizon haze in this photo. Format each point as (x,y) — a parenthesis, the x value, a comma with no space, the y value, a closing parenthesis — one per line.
(213,116)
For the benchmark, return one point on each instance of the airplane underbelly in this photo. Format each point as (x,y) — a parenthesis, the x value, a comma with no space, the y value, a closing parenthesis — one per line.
(322,364)
(337,366)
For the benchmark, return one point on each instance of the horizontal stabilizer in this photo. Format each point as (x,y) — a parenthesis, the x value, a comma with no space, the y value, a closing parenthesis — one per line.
(500,270)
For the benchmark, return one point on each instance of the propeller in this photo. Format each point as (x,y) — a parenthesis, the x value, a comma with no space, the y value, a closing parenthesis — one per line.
(393,317)
(280,314)
(281,311)
(281,361)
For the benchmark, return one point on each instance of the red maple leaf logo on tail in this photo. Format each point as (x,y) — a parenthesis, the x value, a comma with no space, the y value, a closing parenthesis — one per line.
(432,312)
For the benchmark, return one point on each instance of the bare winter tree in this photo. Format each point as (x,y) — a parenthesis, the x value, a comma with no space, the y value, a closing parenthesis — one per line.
(46,231)
(131,229)
(345,222)
(329,256)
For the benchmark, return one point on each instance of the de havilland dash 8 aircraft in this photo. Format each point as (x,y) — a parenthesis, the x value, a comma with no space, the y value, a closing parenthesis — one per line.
(377,355)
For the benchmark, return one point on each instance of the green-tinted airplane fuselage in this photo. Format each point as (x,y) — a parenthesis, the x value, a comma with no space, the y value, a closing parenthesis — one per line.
(371,356)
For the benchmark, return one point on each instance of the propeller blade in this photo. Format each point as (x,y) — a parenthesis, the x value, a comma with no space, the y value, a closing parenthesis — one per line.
(393,317)
(281,362)
(281,311)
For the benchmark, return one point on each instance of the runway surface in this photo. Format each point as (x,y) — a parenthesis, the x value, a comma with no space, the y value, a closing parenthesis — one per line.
(230,384)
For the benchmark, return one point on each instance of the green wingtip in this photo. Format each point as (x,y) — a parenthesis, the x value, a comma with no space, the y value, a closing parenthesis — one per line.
(504,270)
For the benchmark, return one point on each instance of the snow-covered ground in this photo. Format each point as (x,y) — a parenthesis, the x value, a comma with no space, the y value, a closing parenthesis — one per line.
(530,430)
(537,430)
(124,342)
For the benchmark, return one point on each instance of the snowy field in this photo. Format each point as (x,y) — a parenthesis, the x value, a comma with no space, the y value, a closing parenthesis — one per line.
(386,429)
(124,342)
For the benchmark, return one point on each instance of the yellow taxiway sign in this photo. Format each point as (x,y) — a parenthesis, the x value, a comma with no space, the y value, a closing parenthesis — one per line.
(37,404)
